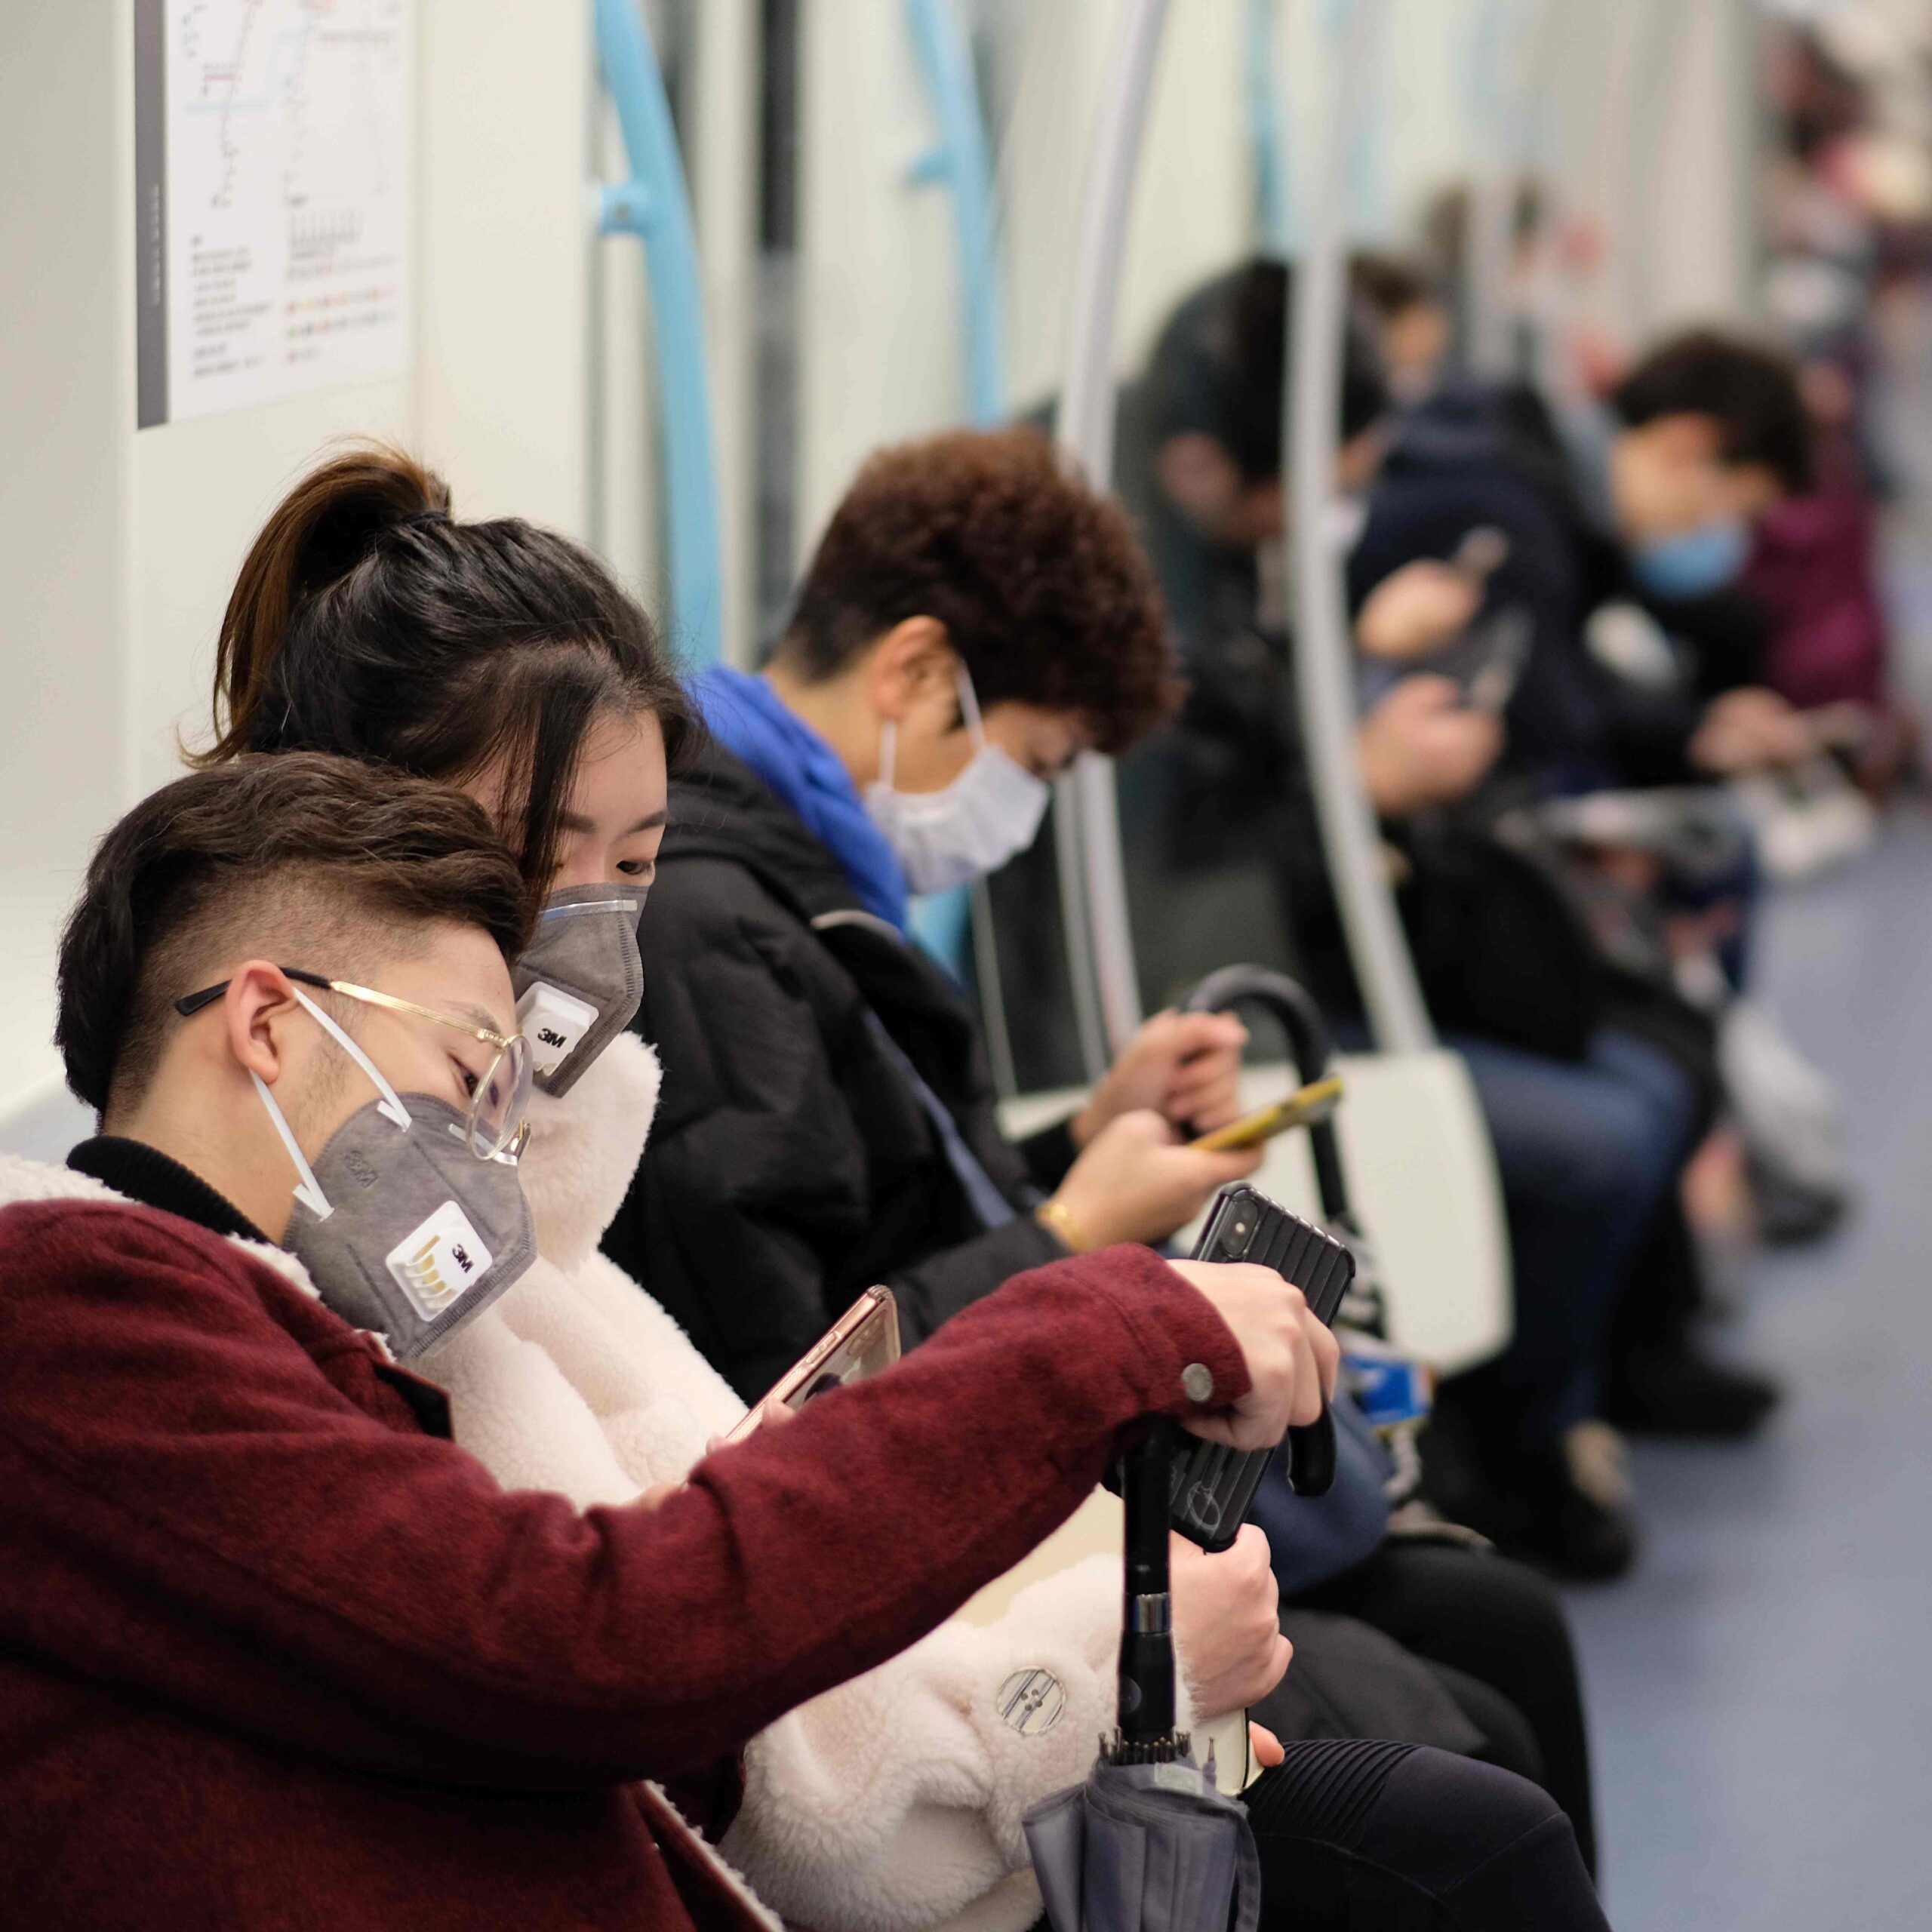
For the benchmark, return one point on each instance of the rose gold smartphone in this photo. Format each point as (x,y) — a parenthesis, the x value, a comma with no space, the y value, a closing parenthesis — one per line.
(863,1340)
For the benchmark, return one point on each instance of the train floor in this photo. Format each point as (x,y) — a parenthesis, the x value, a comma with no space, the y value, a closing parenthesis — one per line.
(1760,1688)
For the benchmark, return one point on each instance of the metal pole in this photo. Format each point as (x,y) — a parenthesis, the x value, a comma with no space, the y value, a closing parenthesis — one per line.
(655,203)
(944,922)
(1099,941)
(1659,31)
(1324,661)
(1495,91)
(961,161)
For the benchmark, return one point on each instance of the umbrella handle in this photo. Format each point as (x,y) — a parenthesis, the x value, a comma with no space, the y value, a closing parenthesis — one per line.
(1308,1045)
(1146,1641)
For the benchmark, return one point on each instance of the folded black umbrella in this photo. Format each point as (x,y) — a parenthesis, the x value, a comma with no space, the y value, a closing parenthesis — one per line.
(1147,1844)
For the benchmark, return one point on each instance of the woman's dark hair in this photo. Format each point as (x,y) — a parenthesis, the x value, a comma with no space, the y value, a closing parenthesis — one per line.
(1042,588)
(367,623)
(325,863)
(1751,392)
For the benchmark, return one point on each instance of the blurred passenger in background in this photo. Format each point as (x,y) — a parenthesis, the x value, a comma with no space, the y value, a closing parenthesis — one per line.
(1414,328)
(1592,1118)
(1628,530)
(1840,229)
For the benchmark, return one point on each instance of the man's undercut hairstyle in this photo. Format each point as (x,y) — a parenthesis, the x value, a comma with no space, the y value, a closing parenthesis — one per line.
(1220,360)
(1041,585)
(324,863)
(368,623)
(1751,392)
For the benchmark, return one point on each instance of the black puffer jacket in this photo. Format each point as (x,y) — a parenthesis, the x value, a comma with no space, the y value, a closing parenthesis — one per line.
(792,1163)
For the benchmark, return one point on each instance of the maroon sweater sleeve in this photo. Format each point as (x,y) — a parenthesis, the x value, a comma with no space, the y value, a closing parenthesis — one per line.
(188,1506)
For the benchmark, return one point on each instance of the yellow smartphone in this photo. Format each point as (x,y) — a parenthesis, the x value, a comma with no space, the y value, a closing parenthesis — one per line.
(1315,1102)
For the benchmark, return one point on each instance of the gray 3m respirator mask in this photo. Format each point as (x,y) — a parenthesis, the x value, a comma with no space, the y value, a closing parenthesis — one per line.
(579,980)
(403,1229)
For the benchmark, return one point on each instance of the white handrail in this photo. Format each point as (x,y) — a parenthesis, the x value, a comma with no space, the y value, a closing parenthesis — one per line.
(1325,682)
(1099,939)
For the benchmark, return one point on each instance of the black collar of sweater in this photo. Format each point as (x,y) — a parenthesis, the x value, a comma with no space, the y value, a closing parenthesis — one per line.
(156,1180)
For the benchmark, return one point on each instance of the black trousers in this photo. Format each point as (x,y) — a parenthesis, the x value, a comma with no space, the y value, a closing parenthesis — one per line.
(1499,1637)
(1398,1837)
(1358,1835)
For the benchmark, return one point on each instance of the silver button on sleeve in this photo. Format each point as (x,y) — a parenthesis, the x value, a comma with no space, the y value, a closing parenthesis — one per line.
(1197,1382)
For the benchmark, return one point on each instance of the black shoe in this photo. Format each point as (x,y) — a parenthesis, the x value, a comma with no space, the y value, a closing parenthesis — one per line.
(1567,1509)
(1578,1518)
(1680,1392)
(1792,1214)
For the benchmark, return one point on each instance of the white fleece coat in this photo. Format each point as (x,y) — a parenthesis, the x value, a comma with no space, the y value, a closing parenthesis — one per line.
(894,1802)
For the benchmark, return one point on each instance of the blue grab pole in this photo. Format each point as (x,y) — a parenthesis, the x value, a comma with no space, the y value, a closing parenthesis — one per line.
(1274,188)
(655,204)
(960,161)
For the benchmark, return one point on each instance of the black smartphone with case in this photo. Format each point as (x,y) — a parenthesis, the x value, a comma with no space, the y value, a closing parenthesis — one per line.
(1213,1484)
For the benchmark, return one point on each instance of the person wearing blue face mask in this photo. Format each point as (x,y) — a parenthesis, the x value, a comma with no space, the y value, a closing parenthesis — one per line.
(1629,528)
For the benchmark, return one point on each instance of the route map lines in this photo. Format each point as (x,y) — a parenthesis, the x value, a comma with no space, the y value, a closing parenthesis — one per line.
(287,166)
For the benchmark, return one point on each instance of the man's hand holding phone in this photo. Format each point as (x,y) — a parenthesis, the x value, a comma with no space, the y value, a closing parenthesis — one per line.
(1292,1359)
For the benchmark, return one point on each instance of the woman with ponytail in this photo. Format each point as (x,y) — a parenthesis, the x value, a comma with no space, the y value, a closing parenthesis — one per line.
(368,622)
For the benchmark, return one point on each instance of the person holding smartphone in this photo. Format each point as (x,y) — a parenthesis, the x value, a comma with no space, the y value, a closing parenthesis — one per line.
(276,1649)
(366,618)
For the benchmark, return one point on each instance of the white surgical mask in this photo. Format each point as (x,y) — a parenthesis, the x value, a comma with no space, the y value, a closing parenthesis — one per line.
(947,838)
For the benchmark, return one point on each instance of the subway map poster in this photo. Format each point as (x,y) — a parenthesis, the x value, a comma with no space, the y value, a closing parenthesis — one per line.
(273,144)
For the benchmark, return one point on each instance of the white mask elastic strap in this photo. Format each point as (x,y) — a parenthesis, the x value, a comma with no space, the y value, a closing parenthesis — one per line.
(308,1189)
(969,706)
(969,709)
(391,1104)
(581,905)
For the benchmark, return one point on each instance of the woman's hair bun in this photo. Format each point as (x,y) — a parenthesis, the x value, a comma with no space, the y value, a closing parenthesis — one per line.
(327,525)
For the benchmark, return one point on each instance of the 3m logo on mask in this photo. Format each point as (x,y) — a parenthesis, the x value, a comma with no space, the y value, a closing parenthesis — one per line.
(553,1022)
(438,1262)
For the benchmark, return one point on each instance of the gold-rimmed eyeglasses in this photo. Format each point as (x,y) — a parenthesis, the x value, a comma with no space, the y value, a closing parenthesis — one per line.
(499,1104)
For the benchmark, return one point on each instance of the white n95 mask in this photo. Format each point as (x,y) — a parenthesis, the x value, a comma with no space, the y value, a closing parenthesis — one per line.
(580,979)
(949,837)
(402,1228)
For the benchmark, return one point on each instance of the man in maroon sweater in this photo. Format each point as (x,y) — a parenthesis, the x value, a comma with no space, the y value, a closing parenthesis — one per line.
(274,1652)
